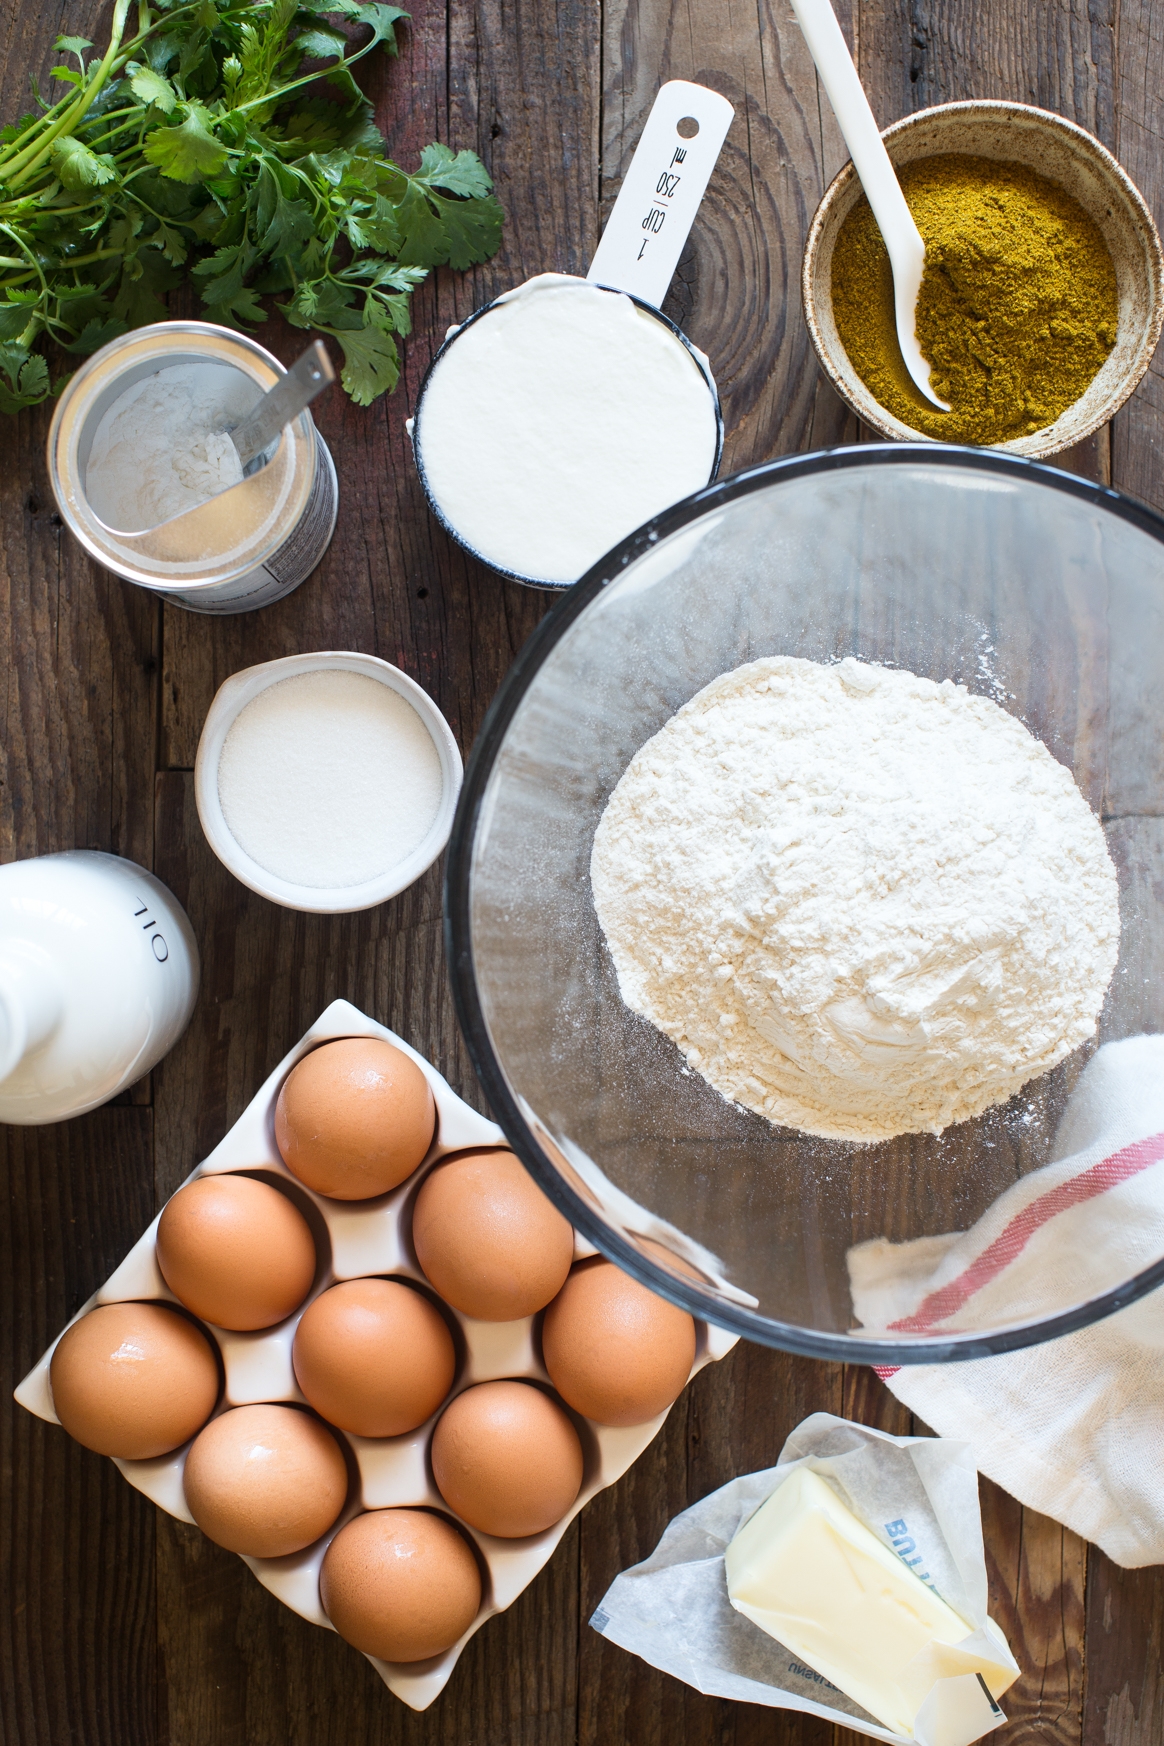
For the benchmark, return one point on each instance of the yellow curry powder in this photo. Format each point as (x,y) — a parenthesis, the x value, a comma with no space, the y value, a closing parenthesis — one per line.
(1017,309)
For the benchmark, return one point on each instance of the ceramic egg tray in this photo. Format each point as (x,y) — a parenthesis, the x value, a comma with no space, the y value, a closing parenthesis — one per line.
(355,1239)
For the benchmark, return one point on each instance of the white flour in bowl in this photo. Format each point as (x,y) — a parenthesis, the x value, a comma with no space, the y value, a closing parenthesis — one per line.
(862,904)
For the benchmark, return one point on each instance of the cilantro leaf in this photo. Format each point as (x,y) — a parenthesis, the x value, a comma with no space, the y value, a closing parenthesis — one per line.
(472,230)
(96,333)
(73,45)
(27,378)
(241,309)
(383,20)
(80,168)
(373,230)
(145,278)
(14,129)
(463,174)
(227,296)
(15,319)
(283,226)
(171,242)
(324,302)
(320,122)
(437,230)
(152,87)
(321,43)
(371,362)
(422,235)
(189,152)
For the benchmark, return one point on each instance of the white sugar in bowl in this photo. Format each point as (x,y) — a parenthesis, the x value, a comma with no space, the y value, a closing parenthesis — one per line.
(326,782)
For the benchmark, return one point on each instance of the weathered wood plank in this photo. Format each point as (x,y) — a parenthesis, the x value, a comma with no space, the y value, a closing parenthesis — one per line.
(1138,430)
(734,1419)
(1037,1572)
(78,656)
(77,1649)
(1124,1695)
(1058,56)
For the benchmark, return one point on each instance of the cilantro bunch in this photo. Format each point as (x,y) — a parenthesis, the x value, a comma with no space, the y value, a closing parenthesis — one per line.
(193,145)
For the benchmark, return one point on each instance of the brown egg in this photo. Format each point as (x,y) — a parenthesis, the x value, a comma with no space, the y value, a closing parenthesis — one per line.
(265,1480)
(615,1352)
(507,1459)
(374,1357)
(488,1239)
(400,1584)
(133,1380)
(236,1251)
(354,1118)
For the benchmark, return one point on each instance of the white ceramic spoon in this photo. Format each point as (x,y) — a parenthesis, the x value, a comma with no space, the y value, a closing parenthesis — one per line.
(907,251)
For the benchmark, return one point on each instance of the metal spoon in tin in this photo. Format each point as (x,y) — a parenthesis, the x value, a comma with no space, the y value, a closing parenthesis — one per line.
(292,394)
(903,240)
(254,436)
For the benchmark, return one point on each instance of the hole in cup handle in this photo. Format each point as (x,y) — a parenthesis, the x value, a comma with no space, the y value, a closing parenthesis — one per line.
(687,127)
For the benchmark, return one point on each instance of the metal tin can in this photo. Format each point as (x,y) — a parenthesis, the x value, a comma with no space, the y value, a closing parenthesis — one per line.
(244,548)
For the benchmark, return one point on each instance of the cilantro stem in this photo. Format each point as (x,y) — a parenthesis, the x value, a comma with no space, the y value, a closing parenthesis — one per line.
(18,172)
(276,97)
(87,260)
(69,110)
(28,255)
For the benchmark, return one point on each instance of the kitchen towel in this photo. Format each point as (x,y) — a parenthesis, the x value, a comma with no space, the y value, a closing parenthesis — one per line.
(1073,1428)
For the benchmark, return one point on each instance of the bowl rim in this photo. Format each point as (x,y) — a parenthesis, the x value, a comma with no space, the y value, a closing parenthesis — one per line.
(700,361)
(985,108)
(851,1348)
(233,696)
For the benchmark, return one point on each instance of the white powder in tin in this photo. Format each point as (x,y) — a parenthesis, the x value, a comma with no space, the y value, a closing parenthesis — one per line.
(329,778)
(862,903)
(161,448)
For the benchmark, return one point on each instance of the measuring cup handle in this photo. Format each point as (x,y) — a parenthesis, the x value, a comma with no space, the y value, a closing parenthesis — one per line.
(661,191)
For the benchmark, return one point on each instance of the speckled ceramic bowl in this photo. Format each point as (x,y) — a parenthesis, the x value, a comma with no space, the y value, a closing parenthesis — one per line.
(1065,154)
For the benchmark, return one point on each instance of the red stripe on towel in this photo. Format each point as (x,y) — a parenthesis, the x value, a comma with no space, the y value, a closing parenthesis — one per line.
(1107,1173)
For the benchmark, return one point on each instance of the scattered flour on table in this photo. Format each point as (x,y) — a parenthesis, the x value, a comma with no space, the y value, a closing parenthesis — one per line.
(329,778)
(162,447)
(861,903)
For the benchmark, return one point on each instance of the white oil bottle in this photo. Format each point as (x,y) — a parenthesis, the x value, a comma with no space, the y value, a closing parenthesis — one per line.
(98,978)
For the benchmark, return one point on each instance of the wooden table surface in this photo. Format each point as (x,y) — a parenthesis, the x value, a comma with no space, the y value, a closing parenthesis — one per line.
(120,1625)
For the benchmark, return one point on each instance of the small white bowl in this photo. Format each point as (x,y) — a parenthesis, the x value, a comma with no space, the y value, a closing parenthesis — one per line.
(232,698)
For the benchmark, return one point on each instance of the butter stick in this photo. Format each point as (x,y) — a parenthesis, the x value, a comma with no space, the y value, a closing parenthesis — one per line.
(809,1573)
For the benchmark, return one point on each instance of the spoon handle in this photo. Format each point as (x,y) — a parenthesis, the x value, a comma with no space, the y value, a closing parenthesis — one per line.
(308,376)
(903,240)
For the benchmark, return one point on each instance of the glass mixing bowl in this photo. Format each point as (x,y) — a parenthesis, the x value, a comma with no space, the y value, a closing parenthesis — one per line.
(1027,585)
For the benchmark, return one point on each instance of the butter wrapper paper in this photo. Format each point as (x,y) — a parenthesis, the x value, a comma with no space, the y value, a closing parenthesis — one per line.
(918,1495)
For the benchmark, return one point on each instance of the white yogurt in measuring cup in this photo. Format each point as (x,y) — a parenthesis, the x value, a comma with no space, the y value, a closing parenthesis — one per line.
(559,419)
